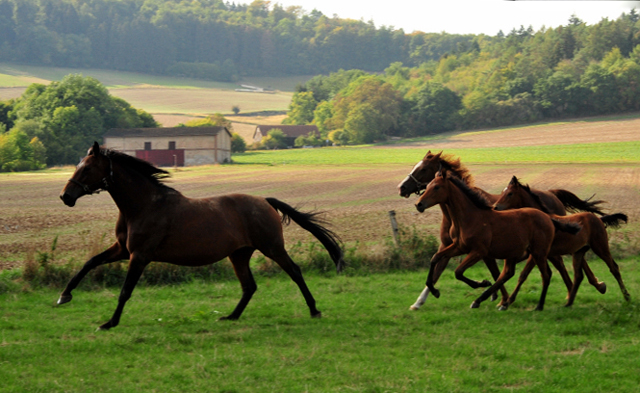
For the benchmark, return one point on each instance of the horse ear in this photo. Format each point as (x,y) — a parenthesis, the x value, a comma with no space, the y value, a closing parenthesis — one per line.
(438,155)
(442,172)
(514,181)
(95,149)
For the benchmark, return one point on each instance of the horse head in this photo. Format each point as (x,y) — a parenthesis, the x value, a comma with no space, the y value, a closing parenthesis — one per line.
(93,173)
(421,174)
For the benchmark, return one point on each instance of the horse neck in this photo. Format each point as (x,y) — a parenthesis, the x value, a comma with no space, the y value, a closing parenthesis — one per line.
(132,192)
(462,211)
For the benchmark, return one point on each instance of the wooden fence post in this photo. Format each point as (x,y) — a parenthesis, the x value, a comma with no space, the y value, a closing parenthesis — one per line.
(394,226)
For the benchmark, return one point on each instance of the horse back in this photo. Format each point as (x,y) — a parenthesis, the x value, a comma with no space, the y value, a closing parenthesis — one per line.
(553,204)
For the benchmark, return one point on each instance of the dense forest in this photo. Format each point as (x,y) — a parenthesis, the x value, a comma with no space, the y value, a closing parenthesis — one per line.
(522,77)
(208,39)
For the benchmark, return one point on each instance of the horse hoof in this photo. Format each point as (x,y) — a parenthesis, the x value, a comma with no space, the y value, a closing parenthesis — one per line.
(539,308)
(317,315)
(503,307)
(568,305)
(64,299)
(435,293)
(485,284)
(228,318)
(414,308)
(602,287)
(475,305)
(104,327)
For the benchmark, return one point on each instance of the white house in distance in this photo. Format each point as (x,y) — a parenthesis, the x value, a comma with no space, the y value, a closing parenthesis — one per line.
(292,132)
(173,146)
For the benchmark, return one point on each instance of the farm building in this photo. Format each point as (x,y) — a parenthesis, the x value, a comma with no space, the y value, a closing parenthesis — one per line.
(292,132)
(173,146)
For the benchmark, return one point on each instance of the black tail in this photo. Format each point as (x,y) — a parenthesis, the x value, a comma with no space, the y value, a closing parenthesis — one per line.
(613,220)
(564,226)
(312,223)
(574,204)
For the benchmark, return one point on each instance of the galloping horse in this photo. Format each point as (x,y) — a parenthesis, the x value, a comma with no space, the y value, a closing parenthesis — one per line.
(158,223)
(593,235)
(424,172)
(511,235)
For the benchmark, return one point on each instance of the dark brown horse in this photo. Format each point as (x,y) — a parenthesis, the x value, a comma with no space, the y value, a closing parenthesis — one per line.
(511,235)
(424,172)
(593,235)
(158,223)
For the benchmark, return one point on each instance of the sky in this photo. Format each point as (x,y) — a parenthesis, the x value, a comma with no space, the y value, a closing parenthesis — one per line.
(466,16)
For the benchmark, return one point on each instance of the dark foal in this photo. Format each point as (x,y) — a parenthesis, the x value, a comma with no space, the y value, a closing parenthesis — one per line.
(157,223)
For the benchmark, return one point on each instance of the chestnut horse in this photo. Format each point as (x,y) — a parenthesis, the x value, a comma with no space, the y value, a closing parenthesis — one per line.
(512,235)
(593,235)
(158,223)
(424,171)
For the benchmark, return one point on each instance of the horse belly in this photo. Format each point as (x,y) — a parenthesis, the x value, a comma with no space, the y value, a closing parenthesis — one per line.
(507,243)
(199,239)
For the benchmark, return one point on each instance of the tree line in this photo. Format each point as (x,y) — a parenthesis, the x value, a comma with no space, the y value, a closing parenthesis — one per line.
(207,39)
(522,77)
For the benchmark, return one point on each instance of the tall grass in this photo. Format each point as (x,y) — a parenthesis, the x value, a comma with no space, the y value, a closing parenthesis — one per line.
(44,269)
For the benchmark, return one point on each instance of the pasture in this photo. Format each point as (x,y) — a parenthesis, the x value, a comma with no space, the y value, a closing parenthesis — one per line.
(169,338)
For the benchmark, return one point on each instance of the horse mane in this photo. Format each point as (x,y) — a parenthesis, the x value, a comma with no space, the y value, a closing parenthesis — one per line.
(452,164)
(147,170)
(476,197)
(535,197)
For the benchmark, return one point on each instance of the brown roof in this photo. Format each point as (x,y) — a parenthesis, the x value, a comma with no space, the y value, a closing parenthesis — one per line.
(165,131)
(290,131)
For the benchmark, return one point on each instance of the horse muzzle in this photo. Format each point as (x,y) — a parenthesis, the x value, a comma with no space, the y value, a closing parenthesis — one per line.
(421,207)
(68,199)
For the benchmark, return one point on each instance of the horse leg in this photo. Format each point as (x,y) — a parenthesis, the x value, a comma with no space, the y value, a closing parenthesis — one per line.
(283,259)
(240,261)
(466,263)
(600,286)
(111,254)
(528,267)
(578,265)
(601,249)
(507,272)
(136,267)
(558,263)
(545,272)
(441,257)
(492,265)
(425,292)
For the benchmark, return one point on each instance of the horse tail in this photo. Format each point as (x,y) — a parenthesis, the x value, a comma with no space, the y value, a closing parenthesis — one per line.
(565,226)
(574,204)
(314,224)
(613,220)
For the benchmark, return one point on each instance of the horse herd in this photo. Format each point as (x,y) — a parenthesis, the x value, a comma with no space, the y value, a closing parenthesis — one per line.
(157,223)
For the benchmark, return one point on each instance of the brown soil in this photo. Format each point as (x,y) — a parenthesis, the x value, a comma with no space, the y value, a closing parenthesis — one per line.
(357,199)
(573,132)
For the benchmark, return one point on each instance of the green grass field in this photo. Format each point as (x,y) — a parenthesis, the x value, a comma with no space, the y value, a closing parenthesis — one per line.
(616,152)
(169,339)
